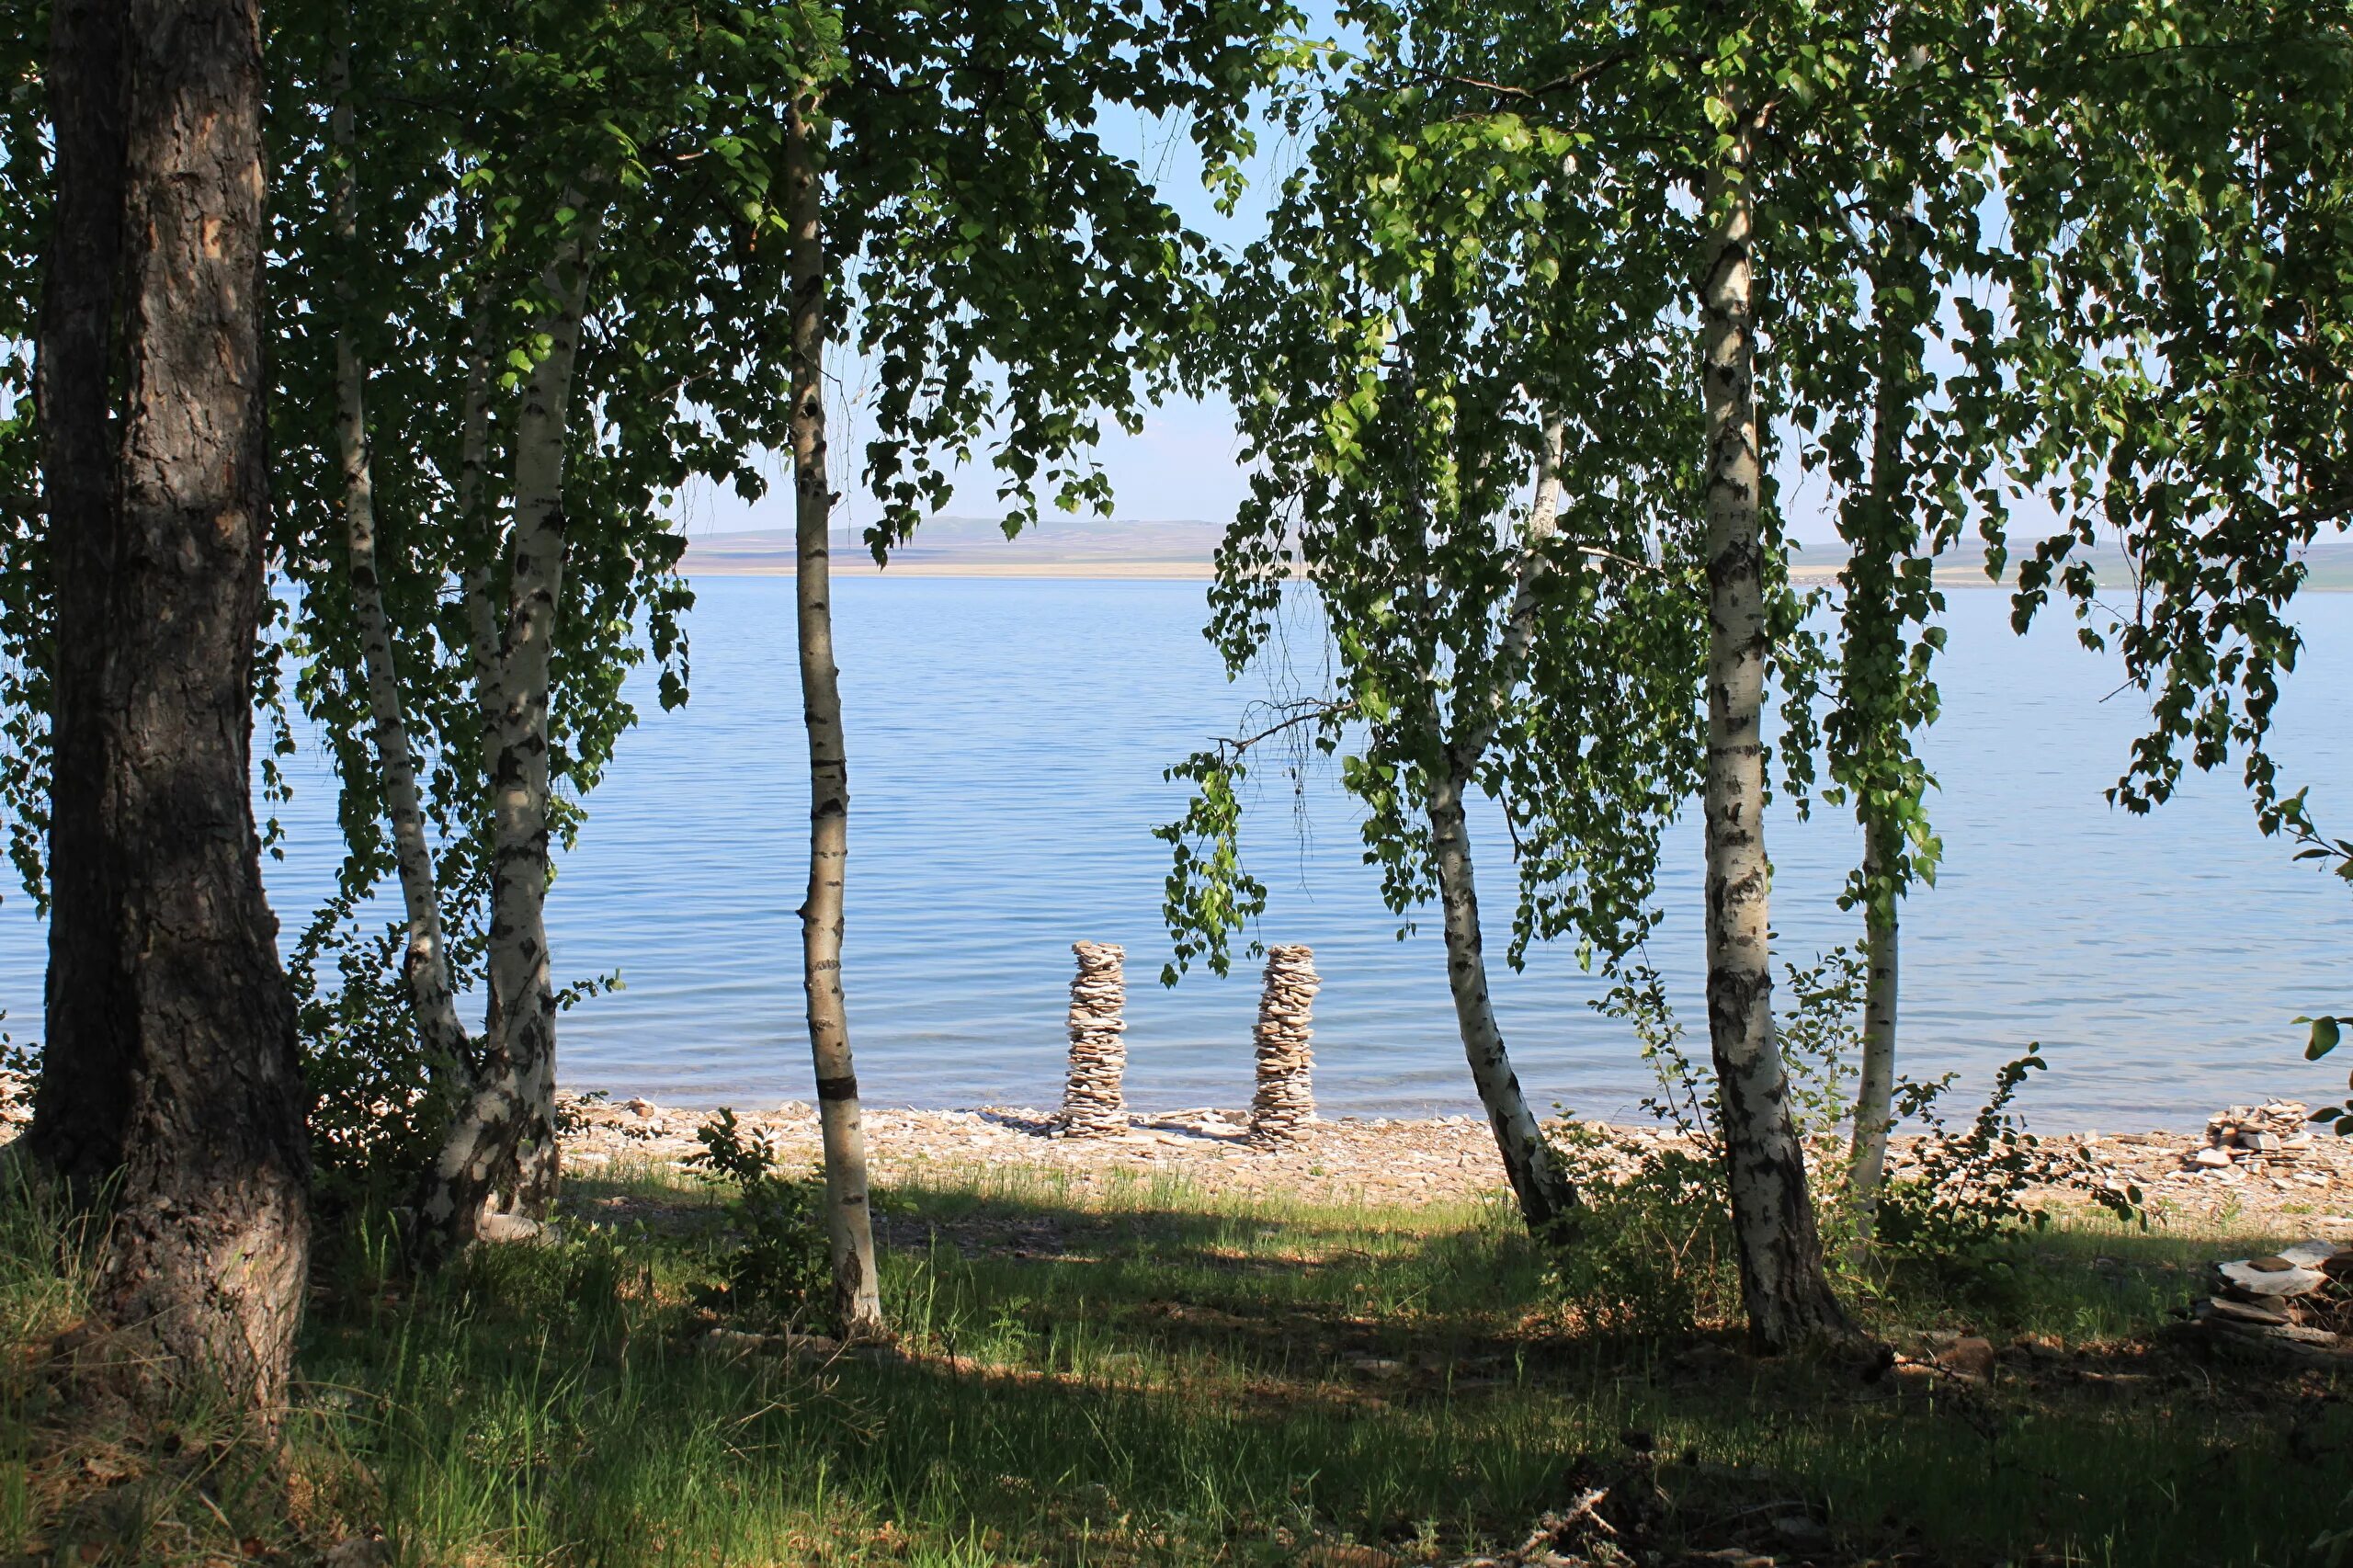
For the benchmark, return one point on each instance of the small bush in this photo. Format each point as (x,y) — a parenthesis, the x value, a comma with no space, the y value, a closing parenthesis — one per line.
(1960,1193)
(775,1267)
(1652,1254)
(376,1116)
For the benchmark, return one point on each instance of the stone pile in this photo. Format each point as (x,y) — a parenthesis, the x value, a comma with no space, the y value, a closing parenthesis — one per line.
(1092,1105)
(2252,1136)
(2295,1305)
(1284,1106)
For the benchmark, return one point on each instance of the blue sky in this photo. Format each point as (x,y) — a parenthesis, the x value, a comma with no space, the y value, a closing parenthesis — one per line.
(1186,463)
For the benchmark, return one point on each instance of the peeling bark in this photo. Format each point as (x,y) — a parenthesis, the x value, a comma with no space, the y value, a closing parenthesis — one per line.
(202,1272)
(1545,1194)
(1783,1286)
(501,1142)
(858,1303)
(1875,1095)
(425,968)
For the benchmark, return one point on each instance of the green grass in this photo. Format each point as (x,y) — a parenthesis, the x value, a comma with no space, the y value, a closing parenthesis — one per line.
(1154,1375)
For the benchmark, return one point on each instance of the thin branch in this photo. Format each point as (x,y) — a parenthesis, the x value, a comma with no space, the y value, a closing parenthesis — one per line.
(1296,712)
(1575,79)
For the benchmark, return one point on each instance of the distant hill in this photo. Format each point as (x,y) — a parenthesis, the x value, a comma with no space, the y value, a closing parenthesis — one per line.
(1091,547)
(2329,567)
(1057,547)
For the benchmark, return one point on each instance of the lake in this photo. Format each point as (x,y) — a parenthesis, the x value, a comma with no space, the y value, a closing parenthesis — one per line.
(1008,739)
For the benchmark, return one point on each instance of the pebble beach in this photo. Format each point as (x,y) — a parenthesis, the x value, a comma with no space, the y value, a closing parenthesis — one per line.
(2241,1167)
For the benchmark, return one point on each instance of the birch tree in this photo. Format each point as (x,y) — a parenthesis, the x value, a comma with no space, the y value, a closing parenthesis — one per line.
(1907,460)
(589,341)
(1715,123)
(953,213)
(1475,468)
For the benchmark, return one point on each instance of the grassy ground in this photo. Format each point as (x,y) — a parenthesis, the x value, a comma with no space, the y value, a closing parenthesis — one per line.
(1156,1377)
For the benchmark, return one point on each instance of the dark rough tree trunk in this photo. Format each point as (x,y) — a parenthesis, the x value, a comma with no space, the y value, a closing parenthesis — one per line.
(82,1102)
(202,1272)
(1783,1286)
(849,1223)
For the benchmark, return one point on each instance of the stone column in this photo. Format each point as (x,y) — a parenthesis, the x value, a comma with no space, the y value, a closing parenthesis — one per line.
(1284,1106)
(1093,1105)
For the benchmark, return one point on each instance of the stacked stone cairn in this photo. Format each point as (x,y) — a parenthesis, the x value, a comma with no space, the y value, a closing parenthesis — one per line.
(1284,1108)
(1093,1105)
(2252,1136)
(2295,1306)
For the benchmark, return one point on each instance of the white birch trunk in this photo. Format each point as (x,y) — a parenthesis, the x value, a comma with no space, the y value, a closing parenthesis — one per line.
(858,1302)
(425,967)
(1784,1289)
(1875,1095)
(1546,1197)
(483,540)
(1882,837)
(506,1129)
(1544,1192)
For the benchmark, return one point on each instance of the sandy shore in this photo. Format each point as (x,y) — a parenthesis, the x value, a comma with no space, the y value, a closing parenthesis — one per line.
(1385,1160)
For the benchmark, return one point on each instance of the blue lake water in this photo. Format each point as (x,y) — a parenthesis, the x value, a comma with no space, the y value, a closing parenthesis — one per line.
(1008,739)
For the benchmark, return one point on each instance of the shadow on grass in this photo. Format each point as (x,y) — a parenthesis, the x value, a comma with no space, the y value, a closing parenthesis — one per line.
(1147,1377)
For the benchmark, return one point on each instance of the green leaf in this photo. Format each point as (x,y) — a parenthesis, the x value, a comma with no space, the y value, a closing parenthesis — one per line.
(2327,1032)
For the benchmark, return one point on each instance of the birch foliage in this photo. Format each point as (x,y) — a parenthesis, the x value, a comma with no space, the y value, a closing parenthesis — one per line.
(954,212)
(2180,275)
(499,182)
(1472,464)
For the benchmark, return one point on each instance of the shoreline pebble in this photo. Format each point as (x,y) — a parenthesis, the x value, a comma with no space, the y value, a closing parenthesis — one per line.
(1392,1159)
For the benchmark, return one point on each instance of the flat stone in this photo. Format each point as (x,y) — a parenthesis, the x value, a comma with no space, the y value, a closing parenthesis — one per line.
(2255,1313)
(2280,1334)
(359,1551)
(2272,1278)
(2211,1159)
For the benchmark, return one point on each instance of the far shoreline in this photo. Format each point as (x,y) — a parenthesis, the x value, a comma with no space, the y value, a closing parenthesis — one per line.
(1204,571)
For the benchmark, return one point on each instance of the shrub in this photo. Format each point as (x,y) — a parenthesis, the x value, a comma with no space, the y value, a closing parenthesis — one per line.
(1653,1251)
(376,1119)
(775,1267)
(1961,1192)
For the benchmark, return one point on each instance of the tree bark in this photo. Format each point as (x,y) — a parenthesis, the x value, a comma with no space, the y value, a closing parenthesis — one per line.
(858,1302)
(203,1268)
(1873,641)
(1783,1286)
(502,1141)
(1875,1095)
(1545,1194)
(432,997)
(82,1102)
(1546,1197)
